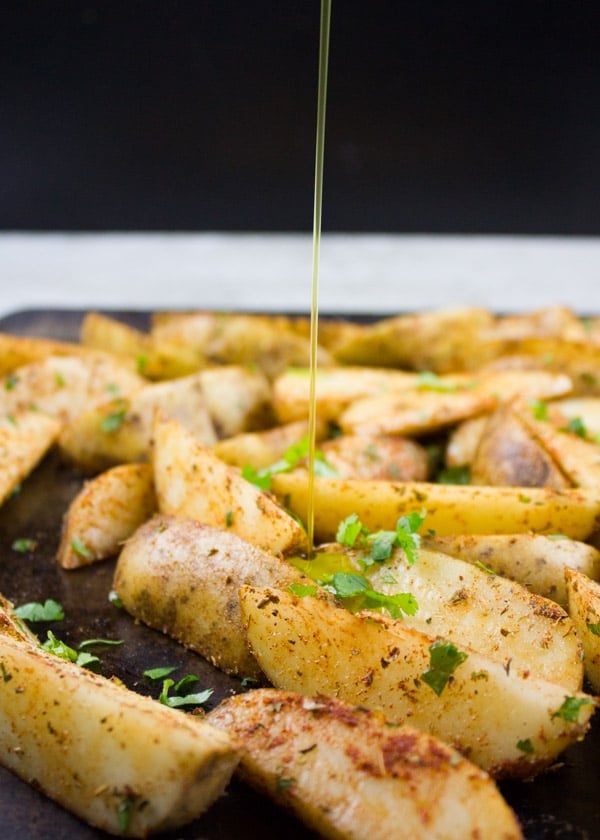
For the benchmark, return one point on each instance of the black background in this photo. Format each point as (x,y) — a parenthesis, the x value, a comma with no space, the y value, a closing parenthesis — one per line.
(475,116)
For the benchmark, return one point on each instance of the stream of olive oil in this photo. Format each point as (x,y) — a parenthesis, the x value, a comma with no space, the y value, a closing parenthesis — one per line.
(314,304)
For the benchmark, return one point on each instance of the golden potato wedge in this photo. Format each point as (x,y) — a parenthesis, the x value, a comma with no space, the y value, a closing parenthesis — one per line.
(335,389)
(463,442)
(580,360)
(105,513)
(381,457)
(346,773)
(183,578)
(507,724)
(583,596)
(577,458)
(153,358)
(238,399)
(441,341)
(67,386)
(493,615)
(16,350)
(121,762)
(414,411)
(25,437)
(509,454)
(549,322)
(191,481)
(451,509)
(120,431)
(261,449)
(270,342)
(535,560)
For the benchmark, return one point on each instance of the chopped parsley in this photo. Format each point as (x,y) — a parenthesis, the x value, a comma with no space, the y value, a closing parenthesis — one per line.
(525,746)
(23,545)
(569,710)
(179,699)
(381,543)
(348,585)
(11,382)
(80,548)
(292,457)
(125,813)
(539,409)
(444,659)
(429,381)
(87,643)
(594,628)
(33,611)
(115,600)
(454,475)
(160,673)
(248,682)
(62,650)
(113,422)
(302,590)
(575,426)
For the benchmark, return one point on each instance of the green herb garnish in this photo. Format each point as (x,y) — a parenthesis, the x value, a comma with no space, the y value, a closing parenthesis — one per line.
(569,710)
(113,422)
(24,545)
(293,456)
(33,611)
(525,746)
(444,659)
(160,673)
(80,548)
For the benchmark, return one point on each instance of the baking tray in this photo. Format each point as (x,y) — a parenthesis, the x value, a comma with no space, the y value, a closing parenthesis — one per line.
(564,804)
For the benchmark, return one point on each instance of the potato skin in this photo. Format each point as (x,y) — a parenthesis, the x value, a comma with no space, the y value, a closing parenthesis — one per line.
(183,578)
(348,774)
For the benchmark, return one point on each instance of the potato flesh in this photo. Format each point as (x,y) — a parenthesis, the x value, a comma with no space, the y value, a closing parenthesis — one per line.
(191,481)
(451,509)
(489,614)
(535,560)
(25,437)
(485,710)
(96,748)
(583,597)
(349,775)
(105,513)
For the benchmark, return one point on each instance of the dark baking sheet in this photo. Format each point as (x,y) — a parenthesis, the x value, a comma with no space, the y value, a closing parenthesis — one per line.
(563,804)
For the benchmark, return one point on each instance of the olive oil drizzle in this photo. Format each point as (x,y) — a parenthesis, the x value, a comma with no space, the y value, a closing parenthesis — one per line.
(314,306)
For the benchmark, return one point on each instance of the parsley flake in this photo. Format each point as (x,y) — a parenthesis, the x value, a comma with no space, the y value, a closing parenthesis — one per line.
(569,710)
(33,611)
(23,545)
(444,659)
(525,746)
(113,422)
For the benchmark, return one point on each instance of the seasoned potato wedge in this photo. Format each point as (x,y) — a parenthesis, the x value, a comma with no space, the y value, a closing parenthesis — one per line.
(381,457)
(154,359)
(16,350)
(535,560)
(191,481)
(580,360)
(25,437)
(120,761)
(587,409)
(487,613)
(183,578)
(105,513)
(441,341)
(269,342)
(507,724)
(509,454)
(583,597)
(335,389)
(578,459)
(261,449)
(120,431)
(463,441)
(413,411)
(452,509)
(238,399)
(67,386)
(347,774)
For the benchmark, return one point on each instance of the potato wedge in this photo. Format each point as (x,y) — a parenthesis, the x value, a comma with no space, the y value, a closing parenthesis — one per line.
(154,359)
(25,437)
(120,761)
(105,513)
(380,457)
(336,388)
(509,454)
(580,360)
(261,449)
(16,350)
(463,442)
(587,409)
(452,509)
(67,386)
(441,341)
(183,578)
(578,459)
(120,431)
(238,399)
(535,560)
(583,596)
(347,774)
(191,481)
(270,342)
(487,613)
(507,724)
